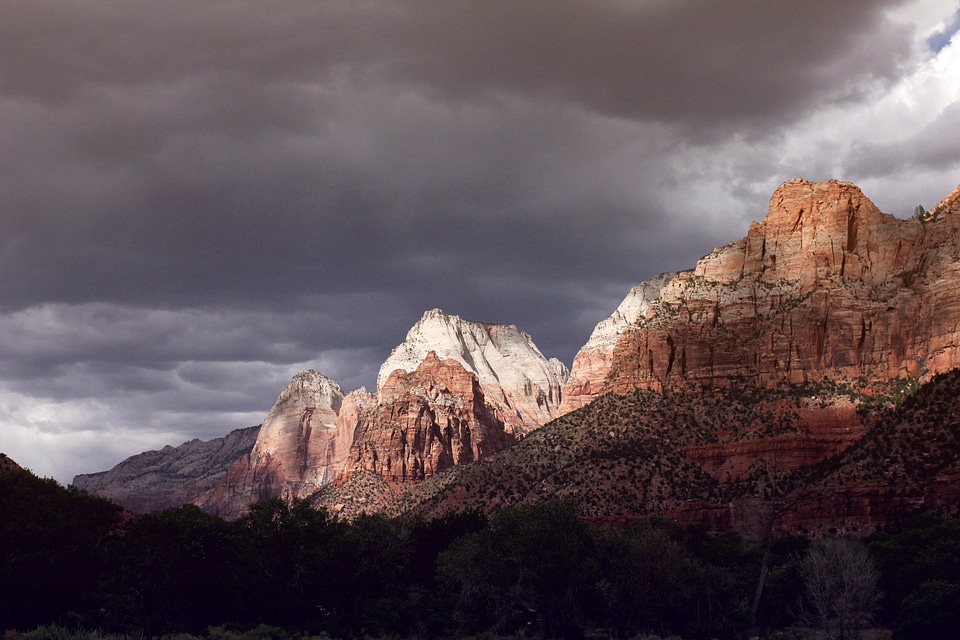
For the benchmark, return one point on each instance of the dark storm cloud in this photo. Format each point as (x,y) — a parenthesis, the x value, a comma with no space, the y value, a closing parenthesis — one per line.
(696,63)
(202,151)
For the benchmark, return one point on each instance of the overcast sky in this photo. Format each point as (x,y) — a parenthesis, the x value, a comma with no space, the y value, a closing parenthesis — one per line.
(200,198)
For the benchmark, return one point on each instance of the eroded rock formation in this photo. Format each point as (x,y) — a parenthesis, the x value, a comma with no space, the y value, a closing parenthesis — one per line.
(295,452)
(452,392)
(425,421)
(516,378)
(825,285)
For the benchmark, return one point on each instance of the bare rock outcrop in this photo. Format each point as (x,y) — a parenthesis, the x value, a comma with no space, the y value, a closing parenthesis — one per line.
(523,385)
(425,421)
(592,364)
(824,285)
(296,449)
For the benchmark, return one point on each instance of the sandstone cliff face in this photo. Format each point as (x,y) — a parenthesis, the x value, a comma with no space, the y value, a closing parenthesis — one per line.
(172,475)
(516,378)
(826,284)
(592,364)
(295,451)
(425,421)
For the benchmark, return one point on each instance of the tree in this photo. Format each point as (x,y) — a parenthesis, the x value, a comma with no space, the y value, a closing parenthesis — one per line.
(533,568)
(172,570)
(841,586)
(52,543)
(931,612)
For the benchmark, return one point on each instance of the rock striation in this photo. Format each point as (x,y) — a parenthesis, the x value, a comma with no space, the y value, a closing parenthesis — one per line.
(824,285)
(170,476)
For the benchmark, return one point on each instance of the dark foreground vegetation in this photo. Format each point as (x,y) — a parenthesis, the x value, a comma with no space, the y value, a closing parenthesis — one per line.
(69,562)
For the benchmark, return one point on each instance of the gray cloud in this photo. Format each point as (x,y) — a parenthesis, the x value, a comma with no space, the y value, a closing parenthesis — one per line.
(936,147)
(197,198)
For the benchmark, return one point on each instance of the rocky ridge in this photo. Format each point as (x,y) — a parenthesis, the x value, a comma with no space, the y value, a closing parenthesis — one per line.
(295,452)
(452,392)
(767,362)
(517,379)
(428,420)
(170,476)
(592,364)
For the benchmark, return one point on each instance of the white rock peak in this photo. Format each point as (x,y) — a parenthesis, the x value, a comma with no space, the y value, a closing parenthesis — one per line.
(499,354)
(633,307)
(310,388)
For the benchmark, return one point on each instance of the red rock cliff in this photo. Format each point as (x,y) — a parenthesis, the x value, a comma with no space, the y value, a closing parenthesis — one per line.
(425,421)
(825,284)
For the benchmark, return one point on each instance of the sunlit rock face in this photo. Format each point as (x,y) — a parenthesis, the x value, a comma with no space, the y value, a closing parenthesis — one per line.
(824,285)
(426,420)
(452,392)
(593,362)
(295,450)
(517,380)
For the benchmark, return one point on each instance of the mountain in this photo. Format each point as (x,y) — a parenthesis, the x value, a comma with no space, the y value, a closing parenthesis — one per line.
(519,382)
(594,361)
(772,386)
(172,475)
(825,284)
(736,394)
(452,392)
(295,451)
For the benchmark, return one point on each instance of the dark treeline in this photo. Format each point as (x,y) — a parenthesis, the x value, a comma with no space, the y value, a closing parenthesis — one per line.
(68,558)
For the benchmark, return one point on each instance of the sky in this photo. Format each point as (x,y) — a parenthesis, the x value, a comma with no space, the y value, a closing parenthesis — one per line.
(200,198)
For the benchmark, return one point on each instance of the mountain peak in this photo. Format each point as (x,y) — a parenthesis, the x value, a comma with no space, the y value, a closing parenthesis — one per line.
(507,363)
(482,348)
(312,388)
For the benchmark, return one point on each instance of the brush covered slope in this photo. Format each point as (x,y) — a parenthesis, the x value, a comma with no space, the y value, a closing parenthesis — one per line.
(816,458)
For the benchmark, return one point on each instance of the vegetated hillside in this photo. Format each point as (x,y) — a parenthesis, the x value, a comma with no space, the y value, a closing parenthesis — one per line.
(813,458)
(908,462)
(7,463)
